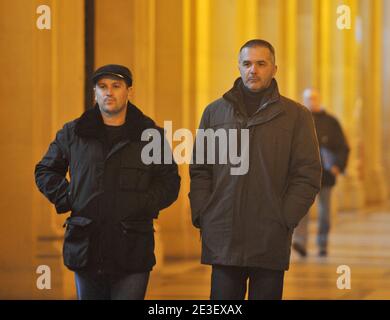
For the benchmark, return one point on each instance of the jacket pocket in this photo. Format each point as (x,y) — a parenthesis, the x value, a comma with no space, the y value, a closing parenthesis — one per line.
(274,240)
(135,245)
(282,218)
(199,202)
(76,242)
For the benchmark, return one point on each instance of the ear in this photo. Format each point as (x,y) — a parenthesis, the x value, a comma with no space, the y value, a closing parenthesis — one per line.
(275,69)
(130,92)
(94,92)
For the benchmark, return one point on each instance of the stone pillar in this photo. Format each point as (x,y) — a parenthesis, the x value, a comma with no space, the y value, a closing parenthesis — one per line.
(115,33)
(144,54)
(17,240)
(172,38)
(45,84)
(386,91)
(247,18)
(223,35)
(306,46)
(202,47)
(144,68)
(323,49)
(189,121)
(349,190)
(57,98)
(277,23)
(290,47)
(373,171)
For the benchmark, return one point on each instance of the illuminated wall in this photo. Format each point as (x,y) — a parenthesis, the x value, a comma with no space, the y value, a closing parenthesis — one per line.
(183,54)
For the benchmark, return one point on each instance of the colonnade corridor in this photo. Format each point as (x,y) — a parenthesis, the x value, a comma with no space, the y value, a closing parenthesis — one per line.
(359,243)
(183,54)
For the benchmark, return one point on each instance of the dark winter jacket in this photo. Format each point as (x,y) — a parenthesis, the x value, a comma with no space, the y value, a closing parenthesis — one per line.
(112,195)
(334,148)
(248,220)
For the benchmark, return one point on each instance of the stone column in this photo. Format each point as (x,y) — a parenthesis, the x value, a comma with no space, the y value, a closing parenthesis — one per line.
(171,34)
(246,27)
(202,49)
(115,32)
(349,189)
(373,171)
(17,245)
(57,98)
(306,46)
(271,27)
(44,72)
(290,14)
(386,91)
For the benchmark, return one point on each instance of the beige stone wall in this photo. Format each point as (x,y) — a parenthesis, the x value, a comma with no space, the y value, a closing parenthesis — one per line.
(16,232)
(42,87)
(183,54)
(385,91)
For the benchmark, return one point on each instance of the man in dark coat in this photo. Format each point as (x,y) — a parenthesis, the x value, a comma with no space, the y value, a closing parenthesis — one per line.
(247,217)
(112,194)
(334,151)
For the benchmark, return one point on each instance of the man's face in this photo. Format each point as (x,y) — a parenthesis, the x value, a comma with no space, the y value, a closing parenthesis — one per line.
(256,68)
(111,94)
(311,99)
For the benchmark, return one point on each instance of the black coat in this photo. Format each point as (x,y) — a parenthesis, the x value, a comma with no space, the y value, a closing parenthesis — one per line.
(112,195)
(248,220)
(333,145)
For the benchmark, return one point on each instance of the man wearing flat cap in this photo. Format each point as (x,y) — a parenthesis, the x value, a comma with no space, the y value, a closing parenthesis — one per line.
(113,196)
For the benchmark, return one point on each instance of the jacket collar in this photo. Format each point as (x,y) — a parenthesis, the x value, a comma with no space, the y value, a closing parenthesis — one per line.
(91,125)
(234,95)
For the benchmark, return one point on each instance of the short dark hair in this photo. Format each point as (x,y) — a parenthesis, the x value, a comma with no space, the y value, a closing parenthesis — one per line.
(260,43)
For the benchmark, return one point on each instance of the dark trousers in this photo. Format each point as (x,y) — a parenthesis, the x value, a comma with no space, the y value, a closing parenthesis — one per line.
(108,287)
(230,283)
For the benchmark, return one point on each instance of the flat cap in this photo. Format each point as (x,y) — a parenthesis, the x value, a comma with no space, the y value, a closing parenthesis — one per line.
(115,70)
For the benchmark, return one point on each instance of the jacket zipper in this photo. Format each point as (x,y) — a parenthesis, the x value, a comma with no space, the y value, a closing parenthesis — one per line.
(244,182)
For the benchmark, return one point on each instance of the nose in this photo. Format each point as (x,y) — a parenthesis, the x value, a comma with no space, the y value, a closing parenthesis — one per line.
(253,69)
(109,91)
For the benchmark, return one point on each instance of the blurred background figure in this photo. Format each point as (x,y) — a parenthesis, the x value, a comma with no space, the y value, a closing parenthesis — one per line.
(334,151)
(184,54)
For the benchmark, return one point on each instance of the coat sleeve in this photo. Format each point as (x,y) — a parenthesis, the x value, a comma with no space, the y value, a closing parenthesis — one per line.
(201,175)
(341,148)
(304,172)
(50,173)
(165,185)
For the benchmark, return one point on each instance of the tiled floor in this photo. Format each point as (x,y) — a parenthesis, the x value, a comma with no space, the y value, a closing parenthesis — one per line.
(360,241)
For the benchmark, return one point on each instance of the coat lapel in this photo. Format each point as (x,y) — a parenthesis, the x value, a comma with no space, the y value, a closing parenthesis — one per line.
(91,125)
(271,107)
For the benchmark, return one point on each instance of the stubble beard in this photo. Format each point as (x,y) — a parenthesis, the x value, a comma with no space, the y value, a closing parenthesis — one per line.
(112,111)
